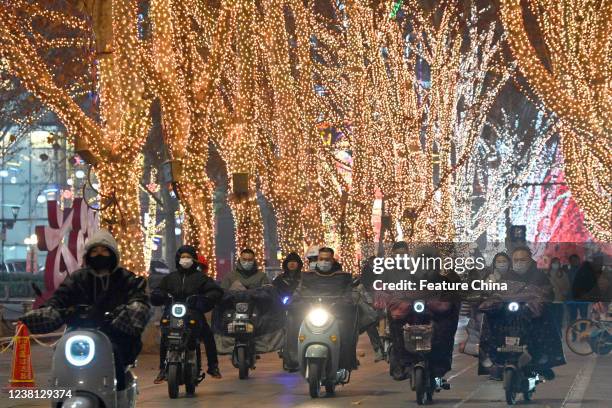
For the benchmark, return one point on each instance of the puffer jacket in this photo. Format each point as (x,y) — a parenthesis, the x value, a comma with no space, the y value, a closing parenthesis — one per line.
(183,283)
(121,292)
(248,279)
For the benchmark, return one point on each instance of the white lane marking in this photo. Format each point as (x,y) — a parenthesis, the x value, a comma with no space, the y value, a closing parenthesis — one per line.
(469,396)
(462,371)
(574,396)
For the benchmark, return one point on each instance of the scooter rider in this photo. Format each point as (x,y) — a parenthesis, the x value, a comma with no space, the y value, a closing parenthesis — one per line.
(208,337)
(545,345)
(328,279)
(181,284)
(246,274)
(445,310)
(102,283)
(286,283)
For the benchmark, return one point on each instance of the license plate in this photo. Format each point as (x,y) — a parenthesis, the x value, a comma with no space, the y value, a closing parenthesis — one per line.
(513,341)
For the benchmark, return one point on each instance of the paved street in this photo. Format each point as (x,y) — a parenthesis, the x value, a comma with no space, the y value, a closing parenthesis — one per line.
(583,382)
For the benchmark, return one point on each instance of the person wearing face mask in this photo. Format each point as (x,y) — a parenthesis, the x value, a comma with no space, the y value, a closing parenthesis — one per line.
(110,288)
(189,284)
(286,283)
(329,280)
(444,308)
(500,265)
(247,284)
(524,269)
(246,274)
(475,343)
(527,283)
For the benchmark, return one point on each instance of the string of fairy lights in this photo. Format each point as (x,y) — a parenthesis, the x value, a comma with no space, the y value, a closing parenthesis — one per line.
(576,85)
(323,112)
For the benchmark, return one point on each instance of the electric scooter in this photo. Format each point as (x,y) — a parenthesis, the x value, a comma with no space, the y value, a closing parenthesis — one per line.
(319,342)
(83,363)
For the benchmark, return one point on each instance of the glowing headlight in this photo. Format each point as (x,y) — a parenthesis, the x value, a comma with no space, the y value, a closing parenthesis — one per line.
(285,300)
(419,306)
(513,306)
(80,350)
(318,317)
(178,310)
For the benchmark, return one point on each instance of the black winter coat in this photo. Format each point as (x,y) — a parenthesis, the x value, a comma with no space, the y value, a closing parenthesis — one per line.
(107,293)
(183,283)
(119,288)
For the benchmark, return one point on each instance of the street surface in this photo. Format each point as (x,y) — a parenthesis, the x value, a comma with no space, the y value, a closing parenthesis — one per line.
(583,382)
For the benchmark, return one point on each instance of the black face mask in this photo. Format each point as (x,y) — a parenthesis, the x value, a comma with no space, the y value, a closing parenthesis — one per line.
(100,262)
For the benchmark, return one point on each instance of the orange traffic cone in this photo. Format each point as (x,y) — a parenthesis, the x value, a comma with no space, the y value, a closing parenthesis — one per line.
(21,371)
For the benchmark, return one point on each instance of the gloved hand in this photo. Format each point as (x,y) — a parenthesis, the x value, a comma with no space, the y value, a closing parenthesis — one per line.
(200,303)
(43,320)
(159,297)
(192,302)
(132,319)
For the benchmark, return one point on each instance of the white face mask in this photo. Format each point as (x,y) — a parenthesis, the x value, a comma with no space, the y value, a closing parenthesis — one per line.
(521,267)
(501,266)
(186,263)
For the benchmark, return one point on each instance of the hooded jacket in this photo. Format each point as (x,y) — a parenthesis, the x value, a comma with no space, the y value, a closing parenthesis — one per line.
(183,283)
(107,293)
(250,279)
(288,281)
(545,338)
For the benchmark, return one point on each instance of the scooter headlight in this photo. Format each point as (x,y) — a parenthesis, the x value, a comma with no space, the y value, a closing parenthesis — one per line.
(80,350)
(318,317)
(513,306)
(419,306)
(178,310)
(285,300)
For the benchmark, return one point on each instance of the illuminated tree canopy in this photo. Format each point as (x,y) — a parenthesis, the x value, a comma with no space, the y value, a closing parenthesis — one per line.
(322,106)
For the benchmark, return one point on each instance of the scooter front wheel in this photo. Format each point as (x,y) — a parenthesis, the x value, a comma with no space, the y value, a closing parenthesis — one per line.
(173,381)
(419,385)
(314,378)
(509,379)
(191,378)
(243,367)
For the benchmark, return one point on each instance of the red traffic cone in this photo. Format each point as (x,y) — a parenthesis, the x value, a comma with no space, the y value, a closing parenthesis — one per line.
(21,371)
